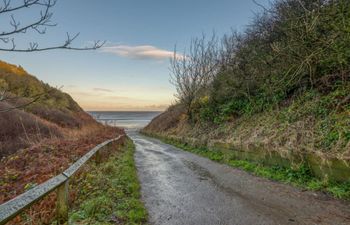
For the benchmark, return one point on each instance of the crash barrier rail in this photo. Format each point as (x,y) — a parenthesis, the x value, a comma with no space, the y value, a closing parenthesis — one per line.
(60,183)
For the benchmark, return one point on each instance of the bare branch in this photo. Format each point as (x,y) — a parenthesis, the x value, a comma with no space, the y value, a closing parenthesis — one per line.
(39,25)
(260,5)
(192,73)
(26,3)
(34,47)
(43,21)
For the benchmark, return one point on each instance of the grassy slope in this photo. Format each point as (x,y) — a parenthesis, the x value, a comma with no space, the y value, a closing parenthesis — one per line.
(307,123)
(51,116)
(18,82)
(43,139)
(110,193)
(282,87)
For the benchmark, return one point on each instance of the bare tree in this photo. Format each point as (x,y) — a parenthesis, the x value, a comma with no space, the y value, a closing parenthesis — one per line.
(11,10)
(193,71)
(38,25)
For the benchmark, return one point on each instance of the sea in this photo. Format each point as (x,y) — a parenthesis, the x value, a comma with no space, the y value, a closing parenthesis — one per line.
(128,120)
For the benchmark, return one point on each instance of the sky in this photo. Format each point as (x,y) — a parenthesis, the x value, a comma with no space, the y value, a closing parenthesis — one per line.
(131,72)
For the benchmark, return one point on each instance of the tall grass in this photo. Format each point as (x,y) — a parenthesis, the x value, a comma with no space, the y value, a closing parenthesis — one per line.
(20,129)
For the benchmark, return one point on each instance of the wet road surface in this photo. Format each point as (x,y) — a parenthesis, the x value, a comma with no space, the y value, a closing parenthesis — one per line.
(181,188)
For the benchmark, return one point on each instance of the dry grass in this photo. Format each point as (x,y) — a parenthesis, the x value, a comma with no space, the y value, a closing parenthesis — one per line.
(20,129)
(298,127)
(48,165)
(41,140)
(59,117)
(167,120)
(34,149)
(41,161)
(6,67)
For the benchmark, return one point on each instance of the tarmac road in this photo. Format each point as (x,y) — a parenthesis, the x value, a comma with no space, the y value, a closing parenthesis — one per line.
(182,188)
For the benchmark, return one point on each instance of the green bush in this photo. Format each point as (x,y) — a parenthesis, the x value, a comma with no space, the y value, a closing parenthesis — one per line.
(292,48)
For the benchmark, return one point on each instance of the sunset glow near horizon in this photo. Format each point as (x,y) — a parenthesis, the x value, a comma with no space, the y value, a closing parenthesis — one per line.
(131,72)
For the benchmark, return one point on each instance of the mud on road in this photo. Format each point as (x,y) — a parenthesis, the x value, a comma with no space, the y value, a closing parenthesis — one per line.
(182,188)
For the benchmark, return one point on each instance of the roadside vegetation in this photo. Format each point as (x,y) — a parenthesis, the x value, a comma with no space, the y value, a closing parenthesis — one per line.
(299,176)
(292,47)
(281,86)
(32,111)
(294,55)
(43,130)
(110,192)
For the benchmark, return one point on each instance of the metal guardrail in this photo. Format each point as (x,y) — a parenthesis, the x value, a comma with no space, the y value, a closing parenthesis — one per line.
(17,205)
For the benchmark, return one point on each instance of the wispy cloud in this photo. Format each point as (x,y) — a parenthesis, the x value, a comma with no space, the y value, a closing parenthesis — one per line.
(139,52)
(102,90)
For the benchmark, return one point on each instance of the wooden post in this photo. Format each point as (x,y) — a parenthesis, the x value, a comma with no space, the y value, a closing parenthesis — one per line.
(62,203)
(98,157)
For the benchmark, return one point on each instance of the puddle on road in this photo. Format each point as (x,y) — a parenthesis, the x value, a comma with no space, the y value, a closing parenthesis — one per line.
(203,173)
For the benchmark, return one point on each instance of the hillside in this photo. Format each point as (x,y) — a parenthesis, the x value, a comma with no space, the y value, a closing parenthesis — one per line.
(51,101)
(280,94)
(42,130)
(51,112)
(296,127)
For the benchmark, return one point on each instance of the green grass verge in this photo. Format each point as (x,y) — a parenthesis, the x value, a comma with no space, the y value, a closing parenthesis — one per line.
(109,193)
(300,176)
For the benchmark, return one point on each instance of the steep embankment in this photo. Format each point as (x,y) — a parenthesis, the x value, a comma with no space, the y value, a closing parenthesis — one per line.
(308,124)
(42,131)
(280,93)
(289,135)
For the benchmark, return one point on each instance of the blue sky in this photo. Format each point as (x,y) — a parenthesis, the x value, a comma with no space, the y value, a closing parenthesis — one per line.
(132,72)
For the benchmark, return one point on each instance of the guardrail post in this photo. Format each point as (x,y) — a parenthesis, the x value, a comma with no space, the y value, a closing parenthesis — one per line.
(62,203)
(98,157)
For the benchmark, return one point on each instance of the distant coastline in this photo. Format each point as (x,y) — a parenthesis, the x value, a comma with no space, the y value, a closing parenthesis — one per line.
(125,119)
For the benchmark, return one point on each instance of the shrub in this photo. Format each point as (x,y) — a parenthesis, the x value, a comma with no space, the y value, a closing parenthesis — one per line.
(63,118)
(19,129)
(292,47)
